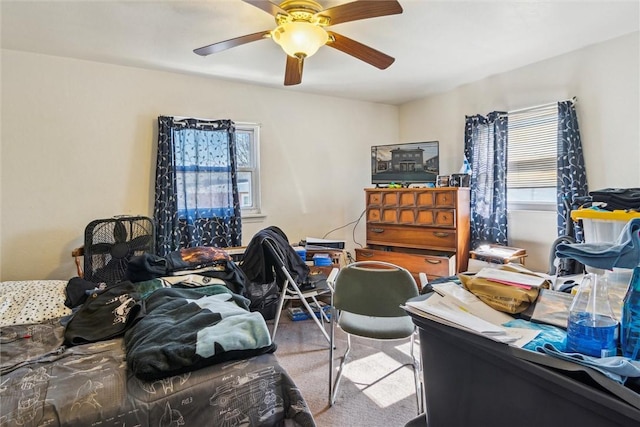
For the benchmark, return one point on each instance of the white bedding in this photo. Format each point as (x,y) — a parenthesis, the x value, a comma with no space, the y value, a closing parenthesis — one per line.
(32,301)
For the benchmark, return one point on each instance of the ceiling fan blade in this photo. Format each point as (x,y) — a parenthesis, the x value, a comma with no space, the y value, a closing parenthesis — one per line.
(267,6)
(362,9)
(228,44)
(360,51)
(293,71)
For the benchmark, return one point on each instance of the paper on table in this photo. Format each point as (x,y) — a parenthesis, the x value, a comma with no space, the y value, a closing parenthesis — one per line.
(450,311)
(446,308)
(472,303)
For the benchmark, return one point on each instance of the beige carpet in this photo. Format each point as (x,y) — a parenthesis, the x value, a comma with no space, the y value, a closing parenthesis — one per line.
(376,390)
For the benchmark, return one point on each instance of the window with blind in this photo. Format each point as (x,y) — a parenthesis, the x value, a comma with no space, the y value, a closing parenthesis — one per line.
(532,158)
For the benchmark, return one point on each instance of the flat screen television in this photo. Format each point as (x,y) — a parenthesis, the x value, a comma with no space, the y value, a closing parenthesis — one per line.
(409,163)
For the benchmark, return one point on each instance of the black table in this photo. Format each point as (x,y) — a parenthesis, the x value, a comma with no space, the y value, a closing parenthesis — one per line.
(470,380)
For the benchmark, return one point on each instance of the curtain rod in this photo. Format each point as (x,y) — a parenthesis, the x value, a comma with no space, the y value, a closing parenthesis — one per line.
(181,118)
(548,104)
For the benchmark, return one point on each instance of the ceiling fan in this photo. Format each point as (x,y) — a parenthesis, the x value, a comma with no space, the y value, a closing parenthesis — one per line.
(301,32)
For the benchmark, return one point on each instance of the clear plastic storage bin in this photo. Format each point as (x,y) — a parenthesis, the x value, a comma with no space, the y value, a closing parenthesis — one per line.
(602,226)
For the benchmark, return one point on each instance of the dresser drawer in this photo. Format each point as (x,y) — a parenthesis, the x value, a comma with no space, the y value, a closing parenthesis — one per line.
(391,198)
(433,265)
(411,236)
(436,217)
(412,216)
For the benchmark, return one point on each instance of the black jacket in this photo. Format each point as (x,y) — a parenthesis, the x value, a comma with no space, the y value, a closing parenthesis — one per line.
(261,266)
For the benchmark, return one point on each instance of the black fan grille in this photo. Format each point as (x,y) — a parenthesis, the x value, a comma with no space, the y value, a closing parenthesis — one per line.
(110,243)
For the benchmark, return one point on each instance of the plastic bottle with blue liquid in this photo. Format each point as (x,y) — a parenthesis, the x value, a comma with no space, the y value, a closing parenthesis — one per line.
(592,328)
(630,323)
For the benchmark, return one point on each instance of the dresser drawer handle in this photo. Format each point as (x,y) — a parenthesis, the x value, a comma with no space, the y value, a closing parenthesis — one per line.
(441,234)
(433,261)
(377,230)
(366,254)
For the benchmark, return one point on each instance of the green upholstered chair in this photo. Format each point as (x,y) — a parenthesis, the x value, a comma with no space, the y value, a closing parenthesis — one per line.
(367,302)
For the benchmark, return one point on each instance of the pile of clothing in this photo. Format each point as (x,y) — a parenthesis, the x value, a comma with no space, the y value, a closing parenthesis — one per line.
(617,198)
(623,253)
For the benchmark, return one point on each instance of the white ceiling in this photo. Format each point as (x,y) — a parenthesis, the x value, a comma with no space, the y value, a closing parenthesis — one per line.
(438,45)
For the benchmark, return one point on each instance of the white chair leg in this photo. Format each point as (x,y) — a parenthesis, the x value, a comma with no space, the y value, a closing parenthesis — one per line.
(322,313)
(279,311)
(315,319)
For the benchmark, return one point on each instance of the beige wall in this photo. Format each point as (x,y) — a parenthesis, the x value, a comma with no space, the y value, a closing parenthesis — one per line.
(78,142)
(605,79)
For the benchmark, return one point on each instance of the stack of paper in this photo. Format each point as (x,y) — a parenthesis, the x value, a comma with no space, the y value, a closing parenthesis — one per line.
(471,303)
(457,307)
(511,278)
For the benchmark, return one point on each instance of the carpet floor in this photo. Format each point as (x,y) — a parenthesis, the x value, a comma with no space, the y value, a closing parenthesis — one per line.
(377,389)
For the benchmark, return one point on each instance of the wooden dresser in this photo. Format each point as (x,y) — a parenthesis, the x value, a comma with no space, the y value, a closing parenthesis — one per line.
(421,229)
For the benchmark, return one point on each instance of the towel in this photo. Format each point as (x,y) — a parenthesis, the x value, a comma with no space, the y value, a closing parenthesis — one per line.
(624,253)
(616,367)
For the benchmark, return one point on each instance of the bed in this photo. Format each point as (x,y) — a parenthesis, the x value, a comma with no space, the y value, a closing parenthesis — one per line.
(44,382)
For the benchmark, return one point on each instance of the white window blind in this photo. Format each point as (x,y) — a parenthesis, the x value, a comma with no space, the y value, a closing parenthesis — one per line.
(532,150)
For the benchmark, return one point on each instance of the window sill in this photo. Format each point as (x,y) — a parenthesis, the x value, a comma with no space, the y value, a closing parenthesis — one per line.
(253,217)
(531,206)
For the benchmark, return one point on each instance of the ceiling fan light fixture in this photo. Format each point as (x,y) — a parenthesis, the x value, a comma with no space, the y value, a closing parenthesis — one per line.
(300,39)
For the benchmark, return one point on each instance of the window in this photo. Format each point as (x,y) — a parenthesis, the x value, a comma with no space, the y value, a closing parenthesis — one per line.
(205,176)
(202,173)
(248,166)
(532,158)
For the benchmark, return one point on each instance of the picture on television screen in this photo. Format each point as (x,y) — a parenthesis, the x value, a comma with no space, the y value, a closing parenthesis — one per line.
(413,162)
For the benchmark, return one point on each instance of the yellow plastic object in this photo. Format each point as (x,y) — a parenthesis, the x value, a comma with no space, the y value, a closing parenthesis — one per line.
(602,226)
(604,215)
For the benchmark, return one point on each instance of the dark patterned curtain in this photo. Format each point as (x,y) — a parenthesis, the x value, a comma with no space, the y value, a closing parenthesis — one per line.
(485,147)
(196,200)
(572,174)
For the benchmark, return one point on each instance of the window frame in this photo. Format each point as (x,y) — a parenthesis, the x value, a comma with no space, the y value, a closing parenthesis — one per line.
(254,129)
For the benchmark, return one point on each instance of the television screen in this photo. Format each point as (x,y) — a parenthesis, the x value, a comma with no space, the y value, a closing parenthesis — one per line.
(413,162)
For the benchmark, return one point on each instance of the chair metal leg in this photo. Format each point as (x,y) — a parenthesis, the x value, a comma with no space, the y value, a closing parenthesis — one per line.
(417,372)
(279,311)
(332,346)
(333,396)
(314,318)
(334,385)
(322,313)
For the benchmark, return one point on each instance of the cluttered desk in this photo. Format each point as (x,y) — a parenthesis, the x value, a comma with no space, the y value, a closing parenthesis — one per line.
(474,381)
(499,350)
(482,368)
